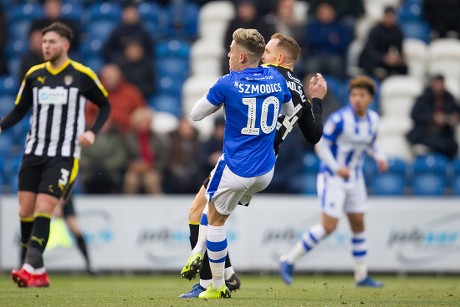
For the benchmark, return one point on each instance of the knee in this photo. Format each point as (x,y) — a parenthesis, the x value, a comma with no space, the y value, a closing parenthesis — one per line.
(25,212)
(329,227)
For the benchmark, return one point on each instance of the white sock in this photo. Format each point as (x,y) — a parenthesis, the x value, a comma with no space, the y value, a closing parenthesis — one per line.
(308,241)
(205,283)
(359,251)
(217,252)
(31,270)
(202,233)
(229,272)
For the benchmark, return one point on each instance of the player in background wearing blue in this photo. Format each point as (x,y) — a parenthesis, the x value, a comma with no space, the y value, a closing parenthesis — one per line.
(348,134)
(281,52)
(252,97)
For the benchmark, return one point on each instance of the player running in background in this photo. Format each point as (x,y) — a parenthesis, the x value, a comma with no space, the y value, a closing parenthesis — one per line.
(252,97)
(66,210)
(348,134)
(56,91)
(281,52)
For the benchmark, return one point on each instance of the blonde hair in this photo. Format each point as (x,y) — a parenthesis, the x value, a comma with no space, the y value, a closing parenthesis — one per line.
(251,40)
(289,44)
(363,82)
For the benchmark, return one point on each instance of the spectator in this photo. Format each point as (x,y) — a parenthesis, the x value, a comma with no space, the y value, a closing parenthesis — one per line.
(103,165)
(137,67)
(183,170)
(382,54)
(53,13)
(148,153)
(327,40)
(3,39)
(35,54)
(435,115)
(443,17)
(130,29)
(347,11)
(246,17)
(286,21)
(124,97)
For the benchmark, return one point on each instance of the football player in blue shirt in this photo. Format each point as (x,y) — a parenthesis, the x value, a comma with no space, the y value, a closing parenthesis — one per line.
(281,52)
(348,134)
(252,97)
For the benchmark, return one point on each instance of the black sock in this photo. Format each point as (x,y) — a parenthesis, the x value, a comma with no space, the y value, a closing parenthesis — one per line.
(38,241)
(26,230)
(194,229)
(82,247)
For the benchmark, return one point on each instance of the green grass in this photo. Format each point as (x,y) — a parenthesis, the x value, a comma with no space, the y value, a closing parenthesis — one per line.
(257,290)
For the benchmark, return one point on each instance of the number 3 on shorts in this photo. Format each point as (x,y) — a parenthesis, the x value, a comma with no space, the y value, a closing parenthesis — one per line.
(64,177)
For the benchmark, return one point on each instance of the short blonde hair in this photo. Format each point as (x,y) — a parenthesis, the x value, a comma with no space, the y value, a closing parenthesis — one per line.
(251,40)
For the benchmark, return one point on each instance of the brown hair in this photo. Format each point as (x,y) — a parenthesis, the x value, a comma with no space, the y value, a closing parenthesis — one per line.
(251,40)
(59,28)
(289,44)
(363,82)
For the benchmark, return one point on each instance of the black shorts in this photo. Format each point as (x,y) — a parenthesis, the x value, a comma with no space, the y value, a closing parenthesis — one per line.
(48,175)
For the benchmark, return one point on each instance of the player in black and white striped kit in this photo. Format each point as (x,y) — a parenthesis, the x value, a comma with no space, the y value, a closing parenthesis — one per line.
(56,91)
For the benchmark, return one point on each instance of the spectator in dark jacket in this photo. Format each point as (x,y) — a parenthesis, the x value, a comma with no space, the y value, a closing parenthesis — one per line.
(53,13)
(130,29)
(382,54)
(435,115)
(35,54)
(443,17)
(137,67)
(327,41)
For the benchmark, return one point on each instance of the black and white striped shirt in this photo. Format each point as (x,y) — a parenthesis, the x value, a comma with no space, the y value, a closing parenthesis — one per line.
(57,98)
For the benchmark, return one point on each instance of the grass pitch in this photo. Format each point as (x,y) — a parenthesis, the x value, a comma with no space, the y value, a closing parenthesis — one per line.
(257,290)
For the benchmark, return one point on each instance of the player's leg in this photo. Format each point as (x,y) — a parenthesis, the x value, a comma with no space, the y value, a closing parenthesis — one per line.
(26,217)
(198,231)
(225,190)
(70,219)
(331,196)
(355,209)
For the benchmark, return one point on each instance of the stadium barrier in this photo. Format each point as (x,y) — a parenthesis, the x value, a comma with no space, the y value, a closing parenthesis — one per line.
(151,234)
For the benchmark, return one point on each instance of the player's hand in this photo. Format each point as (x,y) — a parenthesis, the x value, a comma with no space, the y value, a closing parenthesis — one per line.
(87,139)
(317,86)
(382,165)
(344,172)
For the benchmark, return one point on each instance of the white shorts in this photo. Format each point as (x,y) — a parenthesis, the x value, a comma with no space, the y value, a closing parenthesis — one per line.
(226,189)
(335,195)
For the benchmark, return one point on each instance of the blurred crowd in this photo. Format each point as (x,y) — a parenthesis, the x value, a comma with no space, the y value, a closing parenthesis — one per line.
(136,154)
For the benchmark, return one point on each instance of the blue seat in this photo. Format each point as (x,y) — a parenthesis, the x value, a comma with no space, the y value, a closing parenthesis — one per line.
(16,47)
(167,103)
(6,104)
(310,171)
(149,11)
(456,177)
(19,29)
(183,20)
(177,68)
(14,66)
(430,175)
(26,11)
(369,170)
(8,85)
(416,29)
(91,47)
(72,10)
(104,11)
(6,143)
(95,63)
(178,48)
(169,85)
(392,182)
(100,29)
